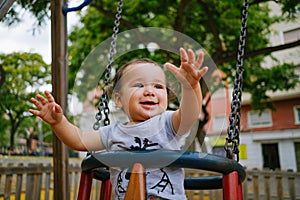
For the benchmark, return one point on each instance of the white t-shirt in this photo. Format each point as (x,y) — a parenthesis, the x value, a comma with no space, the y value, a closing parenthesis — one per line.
(153,134)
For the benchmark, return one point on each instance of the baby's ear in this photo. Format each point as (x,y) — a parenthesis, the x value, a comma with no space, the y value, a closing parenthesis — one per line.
(117,100)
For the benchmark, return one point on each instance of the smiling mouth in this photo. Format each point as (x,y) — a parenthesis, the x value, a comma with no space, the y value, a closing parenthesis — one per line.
(148,103)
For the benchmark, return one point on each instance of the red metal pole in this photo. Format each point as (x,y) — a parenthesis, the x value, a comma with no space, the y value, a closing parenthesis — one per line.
(231,186)
(106,188)
(240,192)
(85,186)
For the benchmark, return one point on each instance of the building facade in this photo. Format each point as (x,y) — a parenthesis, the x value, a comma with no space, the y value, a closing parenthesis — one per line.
(270,139)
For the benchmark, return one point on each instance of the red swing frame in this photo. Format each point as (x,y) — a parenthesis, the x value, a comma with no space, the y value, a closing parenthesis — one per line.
(231,189)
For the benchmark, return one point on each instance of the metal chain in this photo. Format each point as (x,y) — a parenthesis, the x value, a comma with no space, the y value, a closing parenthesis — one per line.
(103,104)
(235,115)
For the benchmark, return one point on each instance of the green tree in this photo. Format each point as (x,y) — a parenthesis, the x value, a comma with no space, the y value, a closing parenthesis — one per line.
(25,74)
(213,24)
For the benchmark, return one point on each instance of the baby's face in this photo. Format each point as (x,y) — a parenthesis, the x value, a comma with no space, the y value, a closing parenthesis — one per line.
(143,92)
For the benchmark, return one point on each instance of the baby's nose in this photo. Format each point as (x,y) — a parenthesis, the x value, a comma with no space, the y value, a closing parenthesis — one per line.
(149,91)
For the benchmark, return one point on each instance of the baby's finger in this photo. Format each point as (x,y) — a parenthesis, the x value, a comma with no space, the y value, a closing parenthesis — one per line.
(195,73)
(200,60)
(191,56)
(49,96)
(36,103)
(170,67)
(174,70)
(57,109)
(183,55)
(42,99)
(202,72)
(34,112)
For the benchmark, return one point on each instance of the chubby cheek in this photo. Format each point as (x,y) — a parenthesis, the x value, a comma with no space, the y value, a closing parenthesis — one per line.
(164,100)
(127,97)
(132,104)
(133,111)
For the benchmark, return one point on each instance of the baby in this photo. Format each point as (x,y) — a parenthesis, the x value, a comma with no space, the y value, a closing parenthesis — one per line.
(140,90)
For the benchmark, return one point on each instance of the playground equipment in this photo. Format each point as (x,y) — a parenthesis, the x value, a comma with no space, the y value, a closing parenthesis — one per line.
(233,174)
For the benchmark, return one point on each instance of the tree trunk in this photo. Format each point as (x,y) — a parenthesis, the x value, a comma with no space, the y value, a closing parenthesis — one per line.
(4,7)
(12,139)
(2,76)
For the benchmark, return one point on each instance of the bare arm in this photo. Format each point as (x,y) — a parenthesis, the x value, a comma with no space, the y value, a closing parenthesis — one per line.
(69,134)
(189,75)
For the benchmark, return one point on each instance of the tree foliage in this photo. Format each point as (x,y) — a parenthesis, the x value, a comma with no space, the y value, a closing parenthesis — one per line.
(213,24)
(25,74)
(39,9)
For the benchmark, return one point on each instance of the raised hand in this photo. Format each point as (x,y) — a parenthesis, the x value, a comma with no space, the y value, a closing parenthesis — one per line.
(189,72)
(48,109)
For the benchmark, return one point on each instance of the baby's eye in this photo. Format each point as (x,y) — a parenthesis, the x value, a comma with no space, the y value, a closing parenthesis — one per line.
(139,85)
(159,86)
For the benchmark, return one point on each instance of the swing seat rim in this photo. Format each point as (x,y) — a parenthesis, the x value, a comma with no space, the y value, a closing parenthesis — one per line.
(173,158)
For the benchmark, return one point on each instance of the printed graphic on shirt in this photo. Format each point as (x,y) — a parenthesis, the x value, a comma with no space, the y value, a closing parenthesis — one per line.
(120,188)
(142,146)
(164,183)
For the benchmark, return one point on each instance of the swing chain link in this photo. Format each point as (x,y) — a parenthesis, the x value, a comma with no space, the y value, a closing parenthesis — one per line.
(235,115)
(103,104)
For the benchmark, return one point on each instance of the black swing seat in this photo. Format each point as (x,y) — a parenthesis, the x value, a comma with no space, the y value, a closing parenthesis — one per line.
(99,162)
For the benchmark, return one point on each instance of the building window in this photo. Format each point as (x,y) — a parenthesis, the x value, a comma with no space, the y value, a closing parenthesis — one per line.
(219,123)
(258,119)
(270,156)
(297,152)
(297,114)
(291,35)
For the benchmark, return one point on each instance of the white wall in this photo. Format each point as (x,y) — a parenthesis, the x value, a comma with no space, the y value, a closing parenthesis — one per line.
(254,152)
(287,155)
(285,140)
(276,38)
